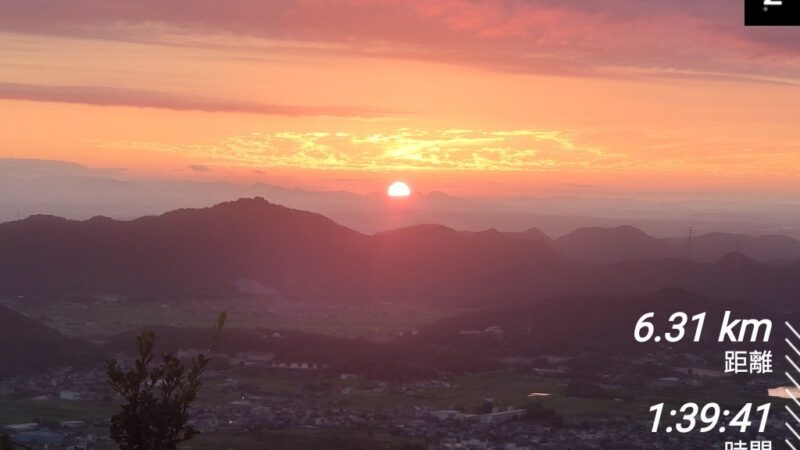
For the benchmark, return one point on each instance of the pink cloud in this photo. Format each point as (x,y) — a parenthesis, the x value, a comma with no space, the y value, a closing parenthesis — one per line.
(106,96)
(544,36)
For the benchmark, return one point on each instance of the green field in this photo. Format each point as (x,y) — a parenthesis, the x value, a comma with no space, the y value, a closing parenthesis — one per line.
(507,388)
(104,319)
(20,411)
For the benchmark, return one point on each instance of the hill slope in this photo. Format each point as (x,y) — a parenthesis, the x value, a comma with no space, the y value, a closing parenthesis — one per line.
(301,254)
(29,346)
(628,243)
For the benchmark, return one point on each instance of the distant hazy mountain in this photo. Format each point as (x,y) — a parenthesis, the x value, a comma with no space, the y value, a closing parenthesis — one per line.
(712,246)
(531,234)
(205,252)
(30,186)
(735,276)
(611,244)
(627,243)
(438,263)
(28,346)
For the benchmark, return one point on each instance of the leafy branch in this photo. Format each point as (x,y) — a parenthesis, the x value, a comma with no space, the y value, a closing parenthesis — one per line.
(154,415)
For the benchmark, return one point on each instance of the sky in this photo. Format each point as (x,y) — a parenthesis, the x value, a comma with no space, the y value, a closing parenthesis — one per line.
(473,98)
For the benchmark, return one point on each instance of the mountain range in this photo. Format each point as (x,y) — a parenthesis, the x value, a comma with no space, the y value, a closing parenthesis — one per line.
(627,243)
(199,252)
(67,189)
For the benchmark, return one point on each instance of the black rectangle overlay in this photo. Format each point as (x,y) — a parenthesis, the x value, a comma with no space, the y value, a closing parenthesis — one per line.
(772,12)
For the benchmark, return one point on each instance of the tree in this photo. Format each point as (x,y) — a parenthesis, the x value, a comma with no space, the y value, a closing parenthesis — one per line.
(154,413)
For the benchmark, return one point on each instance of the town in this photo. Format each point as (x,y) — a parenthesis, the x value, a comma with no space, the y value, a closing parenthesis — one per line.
(255,400)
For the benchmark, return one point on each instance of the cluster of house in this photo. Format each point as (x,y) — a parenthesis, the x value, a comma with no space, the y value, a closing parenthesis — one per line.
(258,409)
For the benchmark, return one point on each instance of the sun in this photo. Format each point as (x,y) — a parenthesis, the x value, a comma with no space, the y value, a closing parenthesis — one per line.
(398,189)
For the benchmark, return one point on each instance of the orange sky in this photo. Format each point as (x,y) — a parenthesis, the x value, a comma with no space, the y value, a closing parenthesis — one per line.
(469,97)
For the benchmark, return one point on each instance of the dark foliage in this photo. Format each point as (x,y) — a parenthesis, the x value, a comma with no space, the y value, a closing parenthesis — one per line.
(154,414)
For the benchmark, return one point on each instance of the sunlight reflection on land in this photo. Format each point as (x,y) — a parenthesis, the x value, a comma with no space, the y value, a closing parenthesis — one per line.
(783,392)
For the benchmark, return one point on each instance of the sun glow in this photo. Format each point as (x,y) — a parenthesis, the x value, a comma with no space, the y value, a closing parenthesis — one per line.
(399,189)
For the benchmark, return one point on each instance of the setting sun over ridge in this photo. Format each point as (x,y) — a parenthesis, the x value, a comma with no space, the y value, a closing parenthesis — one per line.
(399,189)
